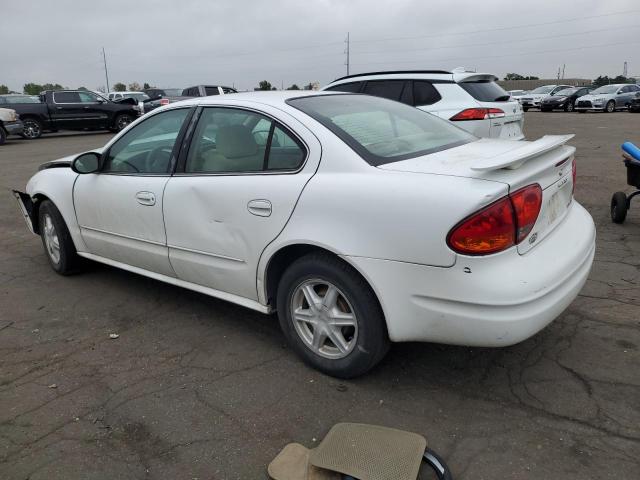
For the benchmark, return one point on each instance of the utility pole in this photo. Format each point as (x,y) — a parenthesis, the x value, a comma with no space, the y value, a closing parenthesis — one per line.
(563,67)
(624,70)
(347,52)
(106,72)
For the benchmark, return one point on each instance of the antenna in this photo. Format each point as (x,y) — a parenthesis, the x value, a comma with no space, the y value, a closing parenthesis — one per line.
(347,52)
(106,72)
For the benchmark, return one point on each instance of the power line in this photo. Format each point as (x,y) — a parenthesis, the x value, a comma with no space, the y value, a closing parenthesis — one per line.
(584,47)
(501,42)
(499,29)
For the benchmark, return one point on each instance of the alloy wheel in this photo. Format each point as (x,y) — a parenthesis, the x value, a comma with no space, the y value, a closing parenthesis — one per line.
(31,129)
(324,319)
(51,239)
(123,121)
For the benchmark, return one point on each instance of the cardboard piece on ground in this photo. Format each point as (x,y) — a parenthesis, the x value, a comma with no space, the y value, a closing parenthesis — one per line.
(292,463)
(370,452)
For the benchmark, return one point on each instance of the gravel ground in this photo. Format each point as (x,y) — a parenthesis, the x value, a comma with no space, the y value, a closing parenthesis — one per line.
(199,388)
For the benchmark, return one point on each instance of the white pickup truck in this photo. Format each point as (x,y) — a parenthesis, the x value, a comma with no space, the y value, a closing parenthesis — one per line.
(10,124)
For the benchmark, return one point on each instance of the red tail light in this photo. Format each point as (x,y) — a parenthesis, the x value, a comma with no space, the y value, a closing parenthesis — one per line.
(526,204)
(477,114)
(573,175)
(164,101)
(501,225)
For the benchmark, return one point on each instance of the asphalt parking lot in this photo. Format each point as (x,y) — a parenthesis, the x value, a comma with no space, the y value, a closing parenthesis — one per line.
(194,387)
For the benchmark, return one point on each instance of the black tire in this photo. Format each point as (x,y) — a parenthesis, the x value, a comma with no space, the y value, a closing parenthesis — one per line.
(32,128)
(3,136)
(371,341)
(121,121)
(68,261)
(569,107)
(546,109)
(610,107)
(619,206)
(582,111)
(525,109)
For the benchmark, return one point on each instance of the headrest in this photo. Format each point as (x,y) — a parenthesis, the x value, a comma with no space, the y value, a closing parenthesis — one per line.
(235,141)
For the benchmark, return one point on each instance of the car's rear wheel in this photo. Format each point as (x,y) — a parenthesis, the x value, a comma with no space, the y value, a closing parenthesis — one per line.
(331,317)
(56,240)
(3,136)
(31,128)
(610,107)
(525,109)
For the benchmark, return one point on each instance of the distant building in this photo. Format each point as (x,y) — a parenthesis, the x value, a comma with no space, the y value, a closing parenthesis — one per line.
(531,84)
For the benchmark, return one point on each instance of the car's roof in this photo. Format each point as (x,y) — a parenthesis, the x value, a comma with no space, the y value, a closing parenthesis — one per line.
(273,97)
(394,72)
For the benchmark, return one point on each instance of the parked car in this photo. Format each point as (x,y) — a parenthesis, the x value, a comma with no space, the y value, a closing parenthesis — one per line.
(144,102)
(206,91)
(14,98)
(564,99)
(533,98)
(358,219)
(73,110)
(634,106)
(10,124)
(608,98)
(166,95)
(473,101)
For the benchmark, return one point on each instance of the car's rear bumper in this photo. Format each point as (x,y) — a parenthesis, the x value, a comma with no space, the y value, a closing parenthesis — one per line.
(491,301)
(13,128)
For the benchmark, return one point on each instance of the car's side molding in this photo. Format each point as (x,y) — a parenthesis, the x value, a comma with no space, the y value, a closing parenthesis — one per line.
(229,297)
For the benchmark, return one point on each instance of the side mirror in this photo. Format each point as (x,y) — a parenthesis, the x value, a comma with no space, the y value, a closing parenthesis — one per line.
(86,163)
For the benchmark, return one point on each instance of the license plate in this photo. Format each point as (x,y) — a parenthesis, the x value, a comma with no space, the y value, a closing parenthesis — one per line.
(510,130)
(558,202)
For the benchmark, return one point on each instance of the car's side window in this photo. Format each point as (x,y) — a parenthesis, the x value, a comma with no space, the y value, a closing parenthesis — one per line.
(87,97)
(424,93)
(391,89)
(66,97)
(147,147)
(230,140)
(352,87)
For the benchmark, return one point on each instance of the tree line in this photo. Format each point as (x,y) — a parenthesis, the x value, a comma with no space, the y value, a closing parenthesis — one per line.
(599,81)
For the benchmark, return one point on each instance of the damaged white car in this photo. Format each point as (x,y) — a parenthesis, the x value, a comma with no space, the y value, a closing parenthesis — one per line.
(358,219)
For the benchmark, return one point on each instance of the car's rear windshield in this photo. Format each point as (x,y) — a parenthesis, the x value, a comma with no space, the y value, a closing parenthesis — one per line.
(380,130)
(485,91)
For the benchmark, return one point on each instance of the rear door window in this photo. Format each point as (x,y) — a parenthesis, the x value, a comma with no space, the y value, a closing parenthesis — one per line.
(352,87)
(424,93)
(485,91)
(391,89)
(211,91)
(66,97)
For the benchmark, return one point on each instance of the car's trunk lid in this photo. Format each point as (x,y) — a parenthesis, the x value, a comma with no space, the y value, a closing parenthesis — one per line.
(547,162)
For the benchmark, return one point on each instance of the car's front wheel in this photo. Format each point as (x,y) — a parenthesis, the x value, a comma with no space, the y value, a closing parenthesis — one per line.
(31,128)
(610,107)
(331,317)
(569,107)
(56,240)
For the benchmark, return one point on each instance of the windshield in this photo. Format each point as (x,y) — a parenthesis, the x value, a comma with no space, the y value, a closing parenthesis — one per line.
(380,130)
(138,96)
(485,91)
(566,92)
(546,89)
(605,89)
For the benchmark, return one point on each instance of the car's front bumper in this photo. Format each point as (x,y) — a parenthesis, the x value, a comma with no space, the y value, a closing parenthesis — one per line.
(530,102)
(590,104)
(491,301)
(13,128)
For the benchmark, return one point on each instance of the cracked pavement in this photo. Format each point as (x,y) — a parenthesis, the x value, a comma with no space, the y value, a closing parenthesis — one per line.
(199,388)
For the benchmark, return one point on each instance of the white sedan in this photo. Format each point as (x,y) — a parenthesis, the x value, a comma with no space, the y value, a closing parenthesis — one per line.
(360,220)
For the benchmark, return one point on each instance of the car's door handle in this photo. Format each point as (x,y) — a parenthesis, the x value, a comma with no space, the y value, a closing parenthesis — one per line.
(261,208)
(146,198)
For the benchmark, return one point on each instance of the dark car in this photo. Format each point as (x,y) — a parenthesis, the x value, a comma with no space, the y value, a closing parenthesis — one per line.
(71,110)
(164,96)
(634,106)
(564,99)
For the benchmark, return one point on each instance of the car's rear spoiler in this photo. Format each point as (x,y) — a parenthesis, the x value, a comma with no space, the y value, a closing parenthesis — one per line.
(516,157)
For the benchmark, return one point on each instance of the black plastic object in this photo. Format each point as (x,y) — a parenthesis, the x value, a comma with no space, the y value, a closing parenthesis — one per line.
(432,459)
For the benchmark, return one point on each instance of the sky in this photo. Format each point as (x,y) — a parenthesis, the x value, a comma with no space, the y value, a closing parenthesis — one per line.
(239,43)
